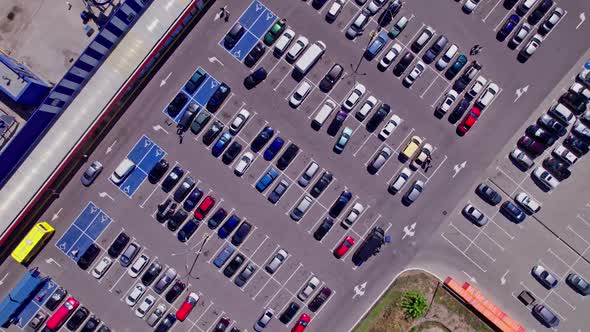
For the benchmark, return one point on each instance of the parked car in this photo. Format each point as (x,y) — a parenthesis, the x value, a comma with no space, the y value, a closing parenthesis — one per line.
(508,27)
(456,67)
(228,226)
(254,55)
(331,77)
(527,203)
(193,198)
(140,263)
(342,141)
(323,228)
(165,280)
(234,34)
(287,157)
(488,194)
(446,58)
(578,284)
(91,173)
(195,81)
(88,256)
(261,139)
(377,118)
(551,21)
(243,164)
(55,299)
(184,189)
(540,11)
(376,45)
(475,215)
(545,316)
(118,245)
(239,121)
(557,168)
(223,255)
(300,93)
(177,219)
(319,299)
(530,48)
(203,209)
(156,315)
(245,275)
(565,155)
(276,261)
(217,218)
(158,171)
(459,110)
(200,122)
(122,171)
(398,27)
(468,121)
(435,49)
(218,97)
(166,323)
(134,294)
(544,277)
(512,212)
(389,127)
(301,323)
(188,229)
(379,160)
(77,319)
(554,126)
(575,102)
(334,10)
(172,179)
(222,325)
(145,306)
(353,215)
(296,48)
(340,203)
(447,102)
(358,24)
(422,39)
(389,57)
(301,208)
(151,273)
(274,32)
(36,322)
(278,191)
(389,12)
(309,288)
(267,179)
(520,35)
(129,254)
(576,145)
(187,117)
(337,122)
(414,74)
(344,246)
(399,182)
(353,97)
(274,148)
(321,184)
(255,78)
(413,192)
(545,178)
(61,314)
(232,267)
(541,135)
(289,313)
(101,267)
(177,104)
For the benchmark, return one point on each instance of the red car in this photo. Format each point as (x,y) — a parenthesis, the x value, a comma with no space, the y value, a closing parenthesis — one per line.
(301,324)
(187,306)
(343,247)
(468,121)
(204,208)
(62,313)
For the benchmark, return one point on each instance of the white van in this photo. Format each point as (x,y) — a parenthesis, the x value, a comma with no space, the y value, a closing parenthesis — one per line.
(122,171)
(309,173)
(102,267)
(284,41)
(444,60)
(323,114)
(486,98)
(561,113)
(310,57)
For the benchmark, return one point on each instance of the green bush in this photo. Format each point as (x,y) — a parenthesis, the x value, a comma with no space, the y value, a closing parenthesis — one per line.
(414,304)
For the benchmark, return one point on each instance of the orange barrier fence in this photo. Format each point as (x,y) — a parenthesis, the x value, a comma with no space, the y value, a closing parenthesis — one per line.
(484,306)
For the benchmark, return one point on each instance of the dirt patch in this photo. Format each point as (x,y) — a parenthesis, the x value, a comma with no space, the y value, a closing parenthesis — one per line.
(444,314)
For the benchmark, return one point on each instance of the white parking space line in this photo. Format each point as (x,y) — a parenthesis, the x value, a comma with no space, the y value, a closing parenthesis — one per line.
(201,316)
(461,251)
(493,8)
(283,286)
(472,243)
(542,300)
(215,321)
(579,216)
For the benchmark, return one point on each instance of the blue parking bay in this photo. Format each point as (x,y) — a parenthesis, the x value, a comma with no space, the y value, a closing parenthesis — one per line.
(67,240)
(151,159)
(80,246)
(32,307)
(206,91)
(251,14)
(244,46)
(141,148)
(100,223)
(85,218)
(263,23)
(133,182)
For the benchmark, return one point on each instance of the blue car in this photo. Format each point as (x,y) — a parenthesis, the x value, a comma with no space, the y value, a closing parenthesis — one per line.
(221,144)
(218,97)
(513,212)
(224,255)
(456,67)
(508,26)
(193,199)
(274,148)
(267,179)
(188,230)
(228,226)
(340,204)
(376,45)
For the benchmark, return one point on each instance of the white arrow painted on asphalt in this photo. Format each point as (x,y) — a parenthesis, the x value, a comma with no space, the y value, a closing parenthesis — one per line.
(3,278)
(104,194)
(457,168)
(158,127)
(110,147)
(520,91)
(359,290)
(163,82)
(56,215)
(582,19)
(52,261)
(503,278)
(214,59)
(409,230)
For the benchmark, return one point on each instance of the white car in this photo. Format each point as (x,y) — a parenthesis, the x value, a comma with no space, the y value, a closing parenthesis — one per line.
(354,96)
(303,89)
(309,288)
(581,130)
(564,154)
(138,266)
(399,182)
(334,10)
(545,178)
(239,121)
(531,47)
(297,48)
(552,20)
(102,267)
(470,5)
(579,88)
(486,98)
(520,35)
(264,320)
(284,41)
(353,215)
(122,171)
(444,60)
(145,306)
(424,154)
(446,104)
(358,25)
(362,113)
(527,202)
(414,74)
(477,87)
(244,163)
(134,294)
(374,6)
(390,56)
(393,123)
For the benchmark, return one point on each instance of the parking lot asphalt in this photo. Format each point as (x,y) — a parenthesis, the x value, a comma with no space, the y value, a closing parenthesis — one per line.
(457,163)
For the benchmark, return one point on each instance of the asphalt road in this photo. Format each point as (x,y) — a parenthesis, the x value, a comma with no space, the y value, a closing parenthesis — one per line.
(274,229)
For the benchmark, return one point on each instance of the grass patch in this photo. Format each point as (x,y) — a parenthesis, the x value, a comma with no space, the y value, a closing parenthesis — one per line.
(455,306)
(431,324)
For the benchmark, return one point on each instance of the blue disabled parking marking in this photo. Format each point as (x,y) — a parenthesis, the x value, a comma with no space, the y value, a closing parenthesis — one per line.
(86,217)
(151,159)
(244,46)
(251,14)
(99,224)
(68,239)
(133,182)
(206,91)
(83,242)
(141,148)
(33,306)
(263,23)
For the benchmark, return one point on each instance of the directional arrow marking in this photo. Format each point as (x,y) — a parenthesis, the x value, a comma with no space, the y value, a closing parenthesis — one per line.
(56,215)
(582,19)
(359,290)
(457,168)
(409,230)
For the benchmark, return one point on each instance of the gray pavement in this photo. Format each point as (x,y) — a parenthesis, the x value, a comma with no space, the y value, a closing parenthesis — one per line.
(412,229)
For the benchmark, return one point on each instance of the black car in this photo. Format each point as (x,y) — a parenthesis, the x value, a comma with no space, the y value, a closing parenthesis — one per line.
(378,117)
(187,117)
(177,104)
(323,229)
(557,168)
(435,49)
(488,194)
(319,299)
(574,101)
(508,4)
(200,122)
(118,245)
(217,218)
(540,11)
(540,135)
(166,323)
(172,179)
(554,126)
(261,139)
(88,257)
(322,183)
(403,64)
(212,133)
(331,77)
(278,191)
(388,13)
(231,153)
(460,84)
(151,273)
(177,219)
(195,81)
(289,313)
(255,78)
(336,123)
(193,199)
(232,37)
(218,97)
(339,205)
(104,328)
(241,234)
(187,230)
(576,145)
(184,189)
(255,54)
(233,265)
(158,171)
(459,110)
(165,210)
(287,156)
(56,298)
(77,318)
(174,291)
(91,324)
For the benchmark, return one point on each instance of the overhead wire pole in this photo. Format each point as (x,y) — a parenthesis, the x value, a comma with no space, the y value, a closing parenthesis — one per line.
(205,238)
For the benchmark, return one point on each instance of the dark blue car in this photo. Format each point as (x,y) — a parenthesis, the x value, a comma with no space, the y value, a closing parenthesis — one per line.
(228,226)
(221,144)
(218,97)
(274,148)
(508,26)
(261,139)
(185,233)
(340,204)
(193,199)
(267,179)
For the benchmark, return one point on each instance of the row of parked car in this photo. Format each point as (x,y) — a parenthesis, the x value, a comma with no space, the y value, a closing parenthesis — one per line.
(570,110)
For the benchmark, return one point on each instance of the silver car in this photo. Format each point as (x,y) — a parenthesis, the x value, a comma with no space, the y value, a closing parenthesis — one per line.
(414,192)
(474,215)
(156,315)
(276,261)
(91,173)
(165,280)
(546,278)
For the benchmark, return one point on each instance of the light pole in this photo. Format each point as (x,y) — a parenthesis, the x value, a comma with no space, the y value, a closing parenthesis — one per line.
(205,238)
(355,69)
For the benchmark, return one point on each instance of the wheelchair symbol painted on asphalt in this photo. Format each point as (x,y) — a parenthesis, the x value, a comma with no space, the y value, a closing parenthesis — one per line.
(237,53)
(269,16)
(127,189)
(259,7)
(103,219)
(62,246)
(159,152)
(93,209)
(213,84)
(147,143)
